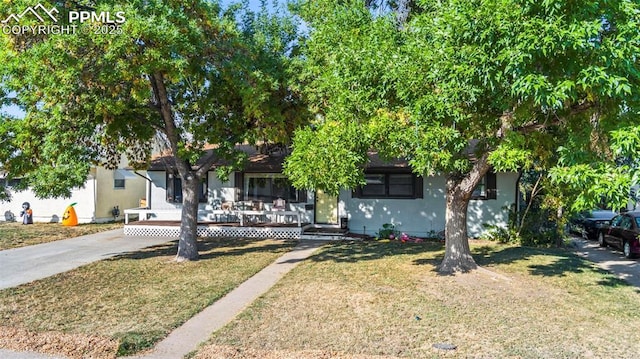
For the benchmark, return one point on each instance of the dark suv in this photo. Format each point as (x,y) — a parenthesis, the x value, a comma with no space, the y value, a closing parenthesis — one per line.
(588,223)
(622,233)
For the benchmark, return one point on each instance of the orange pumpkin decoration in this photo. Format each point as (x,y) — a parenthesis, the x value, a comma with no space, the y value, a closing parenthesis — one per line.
(70,218)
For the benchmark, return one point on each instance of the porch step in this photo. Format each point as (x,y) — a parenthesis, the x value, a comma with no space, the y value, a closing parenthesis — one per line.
(325,237)
(326,234)
(325,231)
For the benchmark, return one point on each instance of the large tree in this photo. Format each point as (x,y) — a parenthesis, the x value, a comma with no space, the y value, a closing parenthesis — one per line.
(466,85)
(186,74)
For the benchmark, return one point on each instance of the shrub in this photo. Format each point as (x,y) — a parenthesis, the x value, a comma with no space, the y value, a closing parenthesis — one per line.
(388,231)
(500,234)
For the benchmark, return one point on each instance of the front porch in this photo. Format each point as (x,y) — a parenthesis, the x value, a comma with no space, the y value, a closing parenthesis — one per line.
(152,228)
(158,228)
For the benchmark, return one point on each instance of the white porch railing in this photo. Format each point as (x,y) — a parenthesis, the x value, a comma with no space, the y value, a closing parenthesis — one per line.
(144,213)
(149,230)
(242,216)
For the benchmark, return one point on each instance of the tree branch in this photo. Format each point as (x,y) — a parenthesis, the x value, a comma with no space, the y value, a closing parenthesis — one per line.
(170,129)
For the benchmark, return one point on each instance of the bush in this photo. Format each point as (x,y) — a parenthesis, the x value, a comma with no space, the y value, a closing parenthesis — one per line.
(388,231)
(500,234)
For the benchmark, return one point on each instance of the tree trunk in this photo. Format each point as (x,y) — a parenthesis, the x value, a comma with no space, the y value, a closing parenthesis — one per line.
(560,224)
(187,246)
(457,255)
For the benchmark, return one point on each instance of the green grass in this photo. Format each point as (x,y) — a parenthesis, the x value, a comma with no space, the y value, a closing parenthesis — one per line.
(366,298)
(15,235)
(137,298)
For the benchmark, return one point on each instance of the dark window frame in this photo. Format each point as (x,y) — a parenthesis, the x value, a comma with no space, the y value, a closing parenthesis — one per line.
(489,181)
(11,183)
(173,188)
(243,194)
(387,193)
(119,183)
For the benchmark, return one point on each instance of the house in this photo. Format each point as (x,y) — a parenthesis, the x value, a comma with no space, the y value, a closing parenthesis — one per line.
(393,194)
(95,201)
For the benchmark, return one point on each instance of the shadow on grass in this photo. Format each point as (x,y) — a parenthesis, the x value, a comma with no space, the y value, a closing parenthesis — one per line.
(541,261)
(355,251)
(561,263)
(207,247)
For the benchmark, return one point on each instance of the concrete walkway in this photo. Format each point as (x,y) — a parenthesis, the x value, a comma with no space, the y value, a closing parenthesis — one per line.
(198,329)
(26,264)
(609,259)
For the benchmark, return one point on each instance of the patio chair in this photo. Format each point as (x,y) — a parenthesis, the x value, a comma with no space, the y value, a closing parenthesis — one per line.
(279,204)
(227,206)
(257,205)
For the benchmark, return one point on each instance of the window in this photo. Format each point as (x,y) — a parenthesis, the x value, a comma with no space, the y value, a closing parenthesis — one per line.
(390,185)
(625,223)
(486,189)
(174,188)
(12,183)
(121,175)
(268,187)
(615,222)
(376,185)
(481,189)
(118,183)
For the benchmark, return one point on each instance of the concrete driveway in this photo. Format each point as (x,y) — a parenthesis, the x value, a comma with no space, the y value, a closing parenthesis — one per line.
(609,259)
(26,264)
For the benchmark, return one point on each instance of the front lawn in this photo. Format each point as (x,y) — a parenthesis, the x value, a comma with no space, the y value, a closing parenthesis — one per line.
(129,302)
(377,298)
(14,235)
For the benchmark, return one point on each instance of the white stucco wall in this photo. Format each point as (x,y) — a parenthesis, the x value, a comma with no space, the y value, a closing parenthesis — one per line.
(418,217)
(421,216)
(52,209)
(218,190)
(493,212)
(94,201)
(413,216)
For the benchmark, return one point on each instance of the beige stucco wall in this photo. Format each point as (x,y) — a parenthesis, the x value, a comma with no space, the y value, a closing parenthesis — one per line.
(107,196)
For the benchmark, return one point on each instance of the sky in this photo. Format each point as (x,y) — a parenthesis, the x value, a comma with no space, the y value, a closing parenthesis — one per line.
(15,111)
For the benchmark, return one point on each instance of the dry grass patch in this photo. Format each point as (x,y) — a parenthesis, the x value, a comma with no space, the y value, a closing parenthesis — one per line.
(15,235)
(138,298)
(73,345)
(376,298)
(228,352)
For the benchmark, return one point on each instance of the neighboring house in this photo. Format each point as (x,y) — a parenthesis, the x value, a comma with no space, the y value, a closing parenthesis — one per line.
(103,190)
(393,194)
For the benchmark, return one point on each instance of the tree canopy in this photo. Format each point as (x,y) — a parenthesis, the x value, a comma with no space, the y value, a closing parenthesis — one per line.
(185,74)
(463,86)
